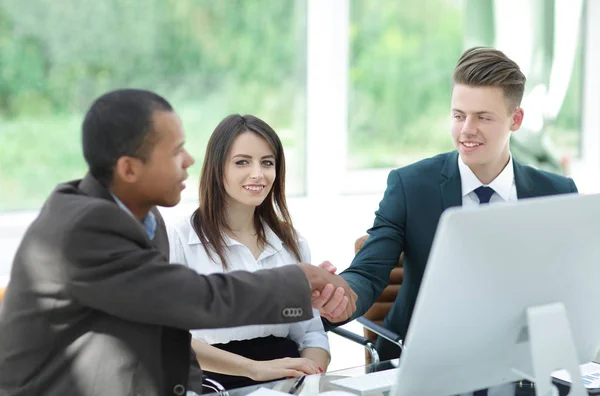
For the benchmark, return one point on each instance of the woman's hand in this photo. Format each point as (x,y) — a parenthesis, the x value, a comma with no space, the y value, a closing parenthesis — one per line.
(269,370)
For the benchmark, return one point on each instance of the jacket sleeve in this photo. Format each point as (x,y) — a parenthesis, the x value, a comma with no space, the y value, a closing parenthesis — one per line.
(111,268)
(572,186)
(370,270)
(310,333)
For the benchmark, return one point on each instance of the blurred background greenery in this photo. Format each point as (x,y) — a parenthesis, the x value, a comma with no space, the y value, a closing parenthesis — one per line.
(210,58)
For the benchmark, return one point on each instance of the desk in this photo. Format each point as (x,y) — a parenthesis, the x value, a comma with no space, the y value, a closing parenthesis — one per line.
(318,383)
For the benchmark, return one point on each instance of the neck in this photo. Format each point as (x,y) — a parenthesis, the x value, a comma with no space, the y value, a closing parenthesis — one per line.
(488,172)
(138,209)
(240,218)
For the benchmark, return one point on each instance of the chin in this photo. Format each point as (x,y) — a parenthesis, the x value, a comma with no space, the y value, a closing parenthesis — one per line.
(171,202)
(255,203)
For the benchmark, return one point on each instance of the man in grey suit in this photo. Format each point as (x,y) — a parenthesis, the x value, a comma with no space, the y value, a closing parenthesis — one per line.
(93,307)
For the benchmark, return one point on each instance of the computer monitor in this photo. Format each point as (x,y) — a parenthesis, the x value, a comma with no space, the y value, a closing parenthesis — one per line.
(490,303)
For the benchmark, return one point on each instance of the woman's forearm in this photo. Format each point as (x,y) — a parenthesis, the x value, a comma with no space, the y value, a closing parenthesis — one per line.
(219,361)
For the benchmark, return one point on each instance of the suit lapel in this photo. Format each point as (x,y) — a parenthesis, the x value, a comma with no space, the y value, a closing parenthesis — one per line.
(523,183)
(160,236)
(450,185)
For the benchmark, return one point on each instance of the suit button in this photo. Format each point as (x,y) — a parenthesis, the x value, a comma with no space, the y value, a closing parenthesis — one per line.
(292,312)
(179,390)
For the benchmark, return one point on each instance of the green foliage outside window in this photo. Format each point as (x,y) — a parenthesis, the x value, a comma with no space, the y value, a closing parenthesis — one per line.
(208,58)
(214,57)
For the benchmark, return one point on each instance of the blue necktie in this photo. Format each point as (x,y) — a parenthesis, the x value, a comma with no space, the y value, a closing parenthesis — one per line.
(484,194)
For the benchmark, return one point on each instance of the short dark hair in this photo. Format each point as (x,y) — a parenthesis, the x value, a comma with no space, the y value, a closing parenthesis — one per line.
(488,67)
(119,123)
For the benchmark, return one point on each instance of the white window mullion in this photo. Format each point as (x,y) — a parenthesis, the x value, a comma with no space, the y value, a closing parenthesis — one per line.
(327,97)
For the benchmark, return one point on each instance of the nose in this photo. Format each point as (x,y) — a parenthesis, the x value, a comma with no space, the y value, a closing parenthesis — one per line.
(257,173)
(188,160)
(469,127)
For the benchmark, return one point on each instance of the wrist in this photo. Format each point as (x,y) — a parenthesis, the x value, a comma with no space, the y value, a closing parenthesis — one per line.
(311,275)
(248,368)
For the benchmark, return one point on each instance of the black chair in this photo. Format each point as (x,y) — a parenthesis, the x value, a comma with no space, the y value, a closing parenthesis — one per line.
(372,320)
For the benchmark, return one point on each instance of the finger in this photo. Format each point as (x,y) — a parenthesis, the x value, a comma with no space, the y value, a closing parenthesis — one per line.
(341,311)
(324,296)
(349,311)
(334,301)
(309,369)
(327,266)
(316,294)
(307,366)
(290,373)
(313,367)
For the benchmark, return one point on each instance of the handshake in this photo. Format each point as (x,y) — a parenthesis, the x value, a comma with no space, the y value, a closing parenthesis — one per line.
(331,295)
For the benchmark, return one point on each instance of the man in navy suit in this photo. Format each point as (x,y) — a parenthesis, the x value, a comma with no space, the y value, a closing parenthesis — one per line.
(486,95)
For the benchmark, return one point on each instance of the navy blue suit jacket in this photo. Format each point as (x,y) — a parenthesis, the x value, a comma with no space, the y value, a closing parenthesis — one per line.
(406,222)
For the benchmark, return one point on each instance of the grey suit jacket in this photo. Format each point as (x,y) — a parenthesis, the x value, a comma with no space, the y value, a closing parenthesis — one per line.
(94,308)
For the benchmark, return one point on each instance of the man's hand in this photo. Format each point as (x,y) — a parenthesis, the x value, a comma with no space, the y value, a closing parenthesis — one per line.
(332,296)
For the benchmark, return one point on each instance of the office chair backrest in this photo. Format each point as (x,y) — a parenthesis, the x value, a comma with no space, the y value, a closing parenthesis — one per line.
(384,303)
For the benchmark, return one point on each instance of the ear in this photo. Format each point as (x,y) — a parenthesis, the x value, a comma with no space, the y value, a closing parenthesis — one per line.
(128,169)
(517,119)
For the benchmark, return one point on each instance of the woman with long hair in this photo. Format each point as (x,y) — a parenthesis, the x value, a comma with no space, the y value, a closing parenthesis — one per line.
(243,223)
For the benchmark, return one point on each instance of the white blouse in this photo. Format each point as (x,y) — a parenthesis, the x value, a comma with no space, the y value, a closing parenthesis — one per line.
(186,248)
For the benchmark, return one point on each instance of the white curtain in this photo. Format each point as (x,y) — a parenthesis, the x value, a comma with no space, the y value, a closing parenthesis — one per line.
(542,36)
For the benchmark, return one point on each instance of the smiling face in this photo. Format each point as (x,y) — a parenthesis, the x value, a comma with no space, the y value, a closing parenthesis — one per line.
(250,170)
(481,128)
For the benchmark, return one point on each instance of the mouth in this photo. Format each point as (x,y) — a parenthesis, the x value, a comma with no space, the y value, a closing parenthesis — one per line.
(182,182)
(254,187)
(470,146)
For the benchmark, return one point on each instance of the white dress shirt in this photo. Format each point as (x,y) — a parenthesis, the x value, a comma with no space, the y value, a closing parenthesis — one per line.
(503,185)
(505,190)
(186,248)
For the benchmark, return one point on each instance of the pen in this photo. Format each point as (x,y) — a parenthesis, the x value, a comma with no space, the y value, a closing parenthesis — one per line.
(297,385)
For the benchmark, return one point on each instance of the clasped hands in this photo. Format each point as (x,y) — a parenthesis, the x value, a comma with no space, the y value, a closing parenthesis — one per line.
(331,294)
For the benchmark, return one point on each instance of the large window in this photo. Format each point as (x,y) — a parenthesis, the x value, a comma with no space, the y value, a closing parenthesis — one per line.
(401,58)
(402,55)
(208,58)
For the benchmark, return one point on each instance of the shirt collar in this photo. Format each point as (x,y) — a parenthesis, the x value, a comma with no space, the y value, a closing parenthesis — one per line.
(502,184)
(148,222)
(273,240)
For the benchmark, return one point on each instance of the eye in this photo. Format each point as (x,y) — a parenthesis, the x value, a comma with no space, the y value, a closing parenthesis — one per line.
(485,118)
(268,163)
(241,162)
(457,117)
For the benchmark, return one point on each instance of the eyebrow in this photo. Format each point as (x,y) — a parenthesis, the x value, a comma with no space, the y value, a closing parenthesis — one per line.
(250,157)
(477,112)
(179,146)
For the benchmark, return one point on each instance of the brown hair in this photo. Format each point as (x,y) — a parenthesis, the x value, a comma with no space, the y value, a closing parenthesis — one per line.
(209,219)
(488,67)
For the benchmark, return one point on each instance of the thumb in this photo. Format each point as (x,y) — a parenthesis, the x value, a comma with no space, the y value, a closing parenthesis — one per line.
(327,266)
